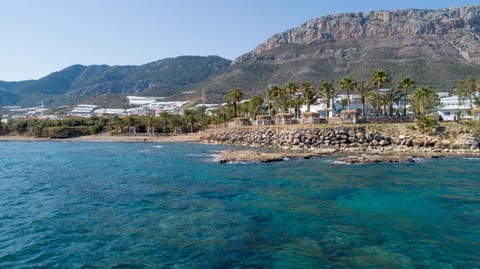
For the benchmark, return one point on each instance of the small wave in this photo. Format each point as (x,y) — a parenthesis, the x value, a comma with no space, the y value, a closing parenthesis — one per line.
(157,146)
(472,158)
(343,163)
(419,160)
(209,156)
(240,162)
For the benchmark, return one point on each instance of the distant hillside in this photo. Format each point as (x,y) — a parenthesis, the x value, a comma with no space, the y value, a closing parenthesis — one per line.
(434,47)
(77,83)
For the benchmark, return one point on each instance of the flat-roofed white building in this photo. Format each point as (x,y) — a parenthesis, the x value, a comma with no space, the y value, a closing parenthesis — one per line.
(173,107)
(450,107)
(142,100)
(82,110)
(109,112)
(141,111)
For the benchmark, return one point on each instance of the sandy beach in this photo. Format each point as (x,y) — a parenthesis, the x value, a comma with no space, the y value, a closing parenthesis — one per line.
(110,138)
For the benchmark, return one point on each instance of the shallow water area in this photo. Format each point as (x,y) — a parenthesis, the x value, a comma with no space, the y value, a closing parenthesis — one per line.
(154,205)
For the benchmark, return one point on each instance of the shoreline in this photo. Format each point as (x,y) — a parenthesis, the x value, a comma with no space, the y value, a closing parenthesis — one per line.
(186,138)
(344,156)
(391,154)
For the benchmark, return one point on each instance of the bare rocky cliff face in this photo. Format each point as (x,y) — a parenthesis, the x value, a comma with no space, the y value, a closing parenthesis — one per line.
(445,33)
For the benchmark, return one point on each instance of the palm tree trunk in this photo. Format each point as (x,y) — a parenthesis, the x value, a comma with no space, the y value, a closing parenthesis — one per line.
(348,100)
(363,106)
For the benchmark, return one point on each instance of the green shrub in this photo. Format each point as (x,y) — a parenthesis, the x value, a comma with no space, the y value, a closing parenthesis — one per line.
(411,127)
(427,124)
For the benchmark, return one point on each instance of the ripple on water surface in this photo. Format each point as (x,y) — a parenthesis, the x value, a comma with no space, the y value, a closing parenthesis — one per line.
(169,205)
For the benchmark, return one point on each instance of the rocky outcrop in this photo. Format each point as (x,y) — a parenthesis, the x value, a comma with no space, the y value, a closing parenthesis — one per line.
(345,138)
(256,156)
(377,159)
(460,26)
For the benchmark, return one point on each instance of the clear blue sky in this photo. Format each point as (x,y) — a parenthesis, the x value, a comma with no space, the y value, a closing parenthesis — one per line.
(42,36)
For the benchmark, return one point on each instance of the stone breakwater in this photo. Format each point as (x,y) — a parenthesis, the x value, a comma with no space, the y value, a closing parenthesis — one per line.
(347,139)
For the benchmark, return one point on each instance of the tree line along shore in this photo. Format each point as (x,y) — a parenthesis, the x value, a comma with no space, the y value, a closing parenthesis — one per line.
(422,133)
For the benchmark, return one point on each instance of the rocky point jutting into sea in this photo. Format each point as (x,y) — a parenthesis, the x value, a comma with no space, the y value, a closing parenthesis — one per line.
(378,139)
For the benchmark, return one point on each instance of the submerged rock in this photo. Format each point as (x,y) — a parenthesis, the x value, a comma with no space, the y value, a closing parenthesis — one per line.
(377,159)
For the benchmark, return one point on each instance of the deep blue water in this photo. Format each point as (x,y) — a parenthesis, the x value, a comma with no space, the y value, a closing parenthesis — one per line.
(145,205)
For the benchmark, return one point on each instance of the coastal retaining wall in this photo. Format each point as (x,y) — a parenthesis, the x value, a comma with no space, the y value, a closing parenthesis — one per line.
(340,137)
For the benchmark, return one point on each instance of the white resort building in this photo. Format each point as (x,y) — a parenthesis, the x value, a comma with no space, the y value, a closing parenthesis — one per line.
(140,100)
(83,110)
(450,107)
(109,112)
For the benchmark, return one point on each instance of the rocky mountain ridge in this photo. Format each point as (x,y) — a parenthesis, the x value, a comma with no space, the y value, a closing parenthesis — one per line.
(461,22)
(436,48)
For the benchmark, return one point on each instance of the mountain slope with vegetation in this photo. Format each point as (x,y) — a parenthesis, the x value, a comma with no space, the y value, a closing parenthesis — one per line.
(76,83)
(436,48)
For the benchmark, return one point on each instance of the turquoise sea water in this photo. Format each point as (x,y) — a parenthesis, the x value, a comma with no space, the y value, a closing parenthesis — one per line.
(146,205)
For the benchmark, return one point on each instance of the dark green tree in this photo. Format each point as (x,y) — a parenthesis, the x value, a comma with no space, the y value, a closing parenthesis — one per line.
(391,97)
(379,78)
(423,99)
(254,106)
(406,83)
(467,90)
(309,95)
(235,96)
(348,84)
(327,90)
(363,89)
(189,119)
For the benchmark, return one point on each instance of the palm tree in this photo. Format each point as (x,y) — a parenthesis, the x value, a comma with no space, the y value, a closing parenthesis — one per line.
(363,89)
(290,89)
(297,102)
(467,89)
(148,121)
(348,84)
(309,96)
(254,105)
(423,99)
(391,97)
(282,98)
(405,83)
(271,95)
(235,96)
(344,103)
(377,102)
(164,116)
(189,118)
(379,78)
(327,90)
(130,122)
(201,111)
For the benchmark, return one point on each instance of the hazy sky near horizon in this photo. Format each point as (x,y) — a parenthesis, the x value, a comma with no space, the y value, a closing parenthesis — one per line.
(39,37)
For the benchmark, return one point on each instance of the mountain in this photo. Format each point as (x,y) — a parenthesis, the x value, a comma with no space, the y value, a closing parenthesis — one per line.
(77,83)
(435,47)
